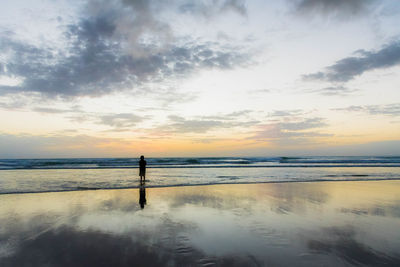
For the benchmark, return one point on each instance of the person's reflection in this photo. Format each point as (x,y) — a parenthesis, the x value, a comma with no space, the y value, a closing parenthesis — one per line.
(142,194)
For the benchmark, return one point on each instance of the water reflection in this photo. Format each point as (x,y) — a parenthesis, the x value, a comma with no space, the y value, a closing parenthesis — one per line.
(342,242)
(388,210)
(301,224)
(142,194)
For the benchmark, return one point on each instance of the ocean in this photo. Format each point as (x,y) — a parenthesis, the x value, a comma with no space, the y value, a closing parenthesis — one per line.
(53,175)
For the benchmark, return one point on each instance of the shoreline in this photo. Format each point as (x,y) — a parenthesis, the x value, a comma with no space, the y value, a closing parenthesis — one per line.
(82,189)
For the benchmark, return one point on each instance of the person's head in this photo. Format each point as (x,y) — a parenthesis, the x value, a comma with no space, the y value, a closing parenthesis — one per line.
(142,157)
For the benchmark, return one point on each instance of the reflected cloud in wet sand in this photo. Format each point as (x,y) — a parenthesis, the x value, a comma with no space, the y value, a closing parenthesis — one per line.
(342,242)
(302,224)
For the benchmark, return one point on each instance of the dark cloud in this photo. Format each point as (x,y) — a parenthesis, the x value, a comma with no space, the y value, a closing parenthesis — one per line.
(348,68)
(114,48)
(388,110)
(212,8)
(336,7)
(235,5)
(97,69)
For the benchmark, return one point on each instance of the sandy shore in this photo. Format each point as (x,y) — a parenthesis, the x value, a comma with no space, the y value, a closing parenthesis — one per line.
(286,224)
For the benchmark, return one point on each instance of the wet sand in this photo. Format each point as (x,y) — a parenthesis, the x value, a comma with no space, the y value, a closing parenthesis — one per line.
(284,224)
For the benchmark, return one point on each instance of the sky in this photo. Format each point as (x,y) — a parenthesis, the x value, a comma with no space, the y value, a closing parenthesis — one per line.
(122,78)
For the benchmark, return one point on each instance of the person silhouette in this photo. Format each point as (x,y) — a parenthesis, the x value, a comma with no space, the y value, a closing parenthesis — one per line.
(142,168)
(142,194)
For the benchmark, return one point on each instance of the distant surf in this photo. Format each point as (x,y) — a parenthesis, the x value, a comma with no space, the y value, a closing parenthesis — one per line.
(198,162)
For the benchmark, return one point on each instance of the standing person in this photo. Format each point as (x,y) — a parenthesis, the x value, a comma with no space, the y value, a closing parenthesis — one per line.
(142,168)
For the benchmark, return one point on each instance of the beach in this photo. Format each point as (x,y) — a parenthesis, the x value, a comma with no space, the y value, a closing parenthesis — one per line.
(199,133)
(335,223)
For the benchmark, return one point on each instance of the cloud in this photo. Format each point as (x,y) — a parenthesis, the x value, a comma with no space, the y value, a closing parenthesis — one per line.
(260,91)
(229,116)
(204,124)
(239,113)
(85,248)
(289,127)
(211,8)
(94,70)
(208,140)
(12,105)
(118,121)
(112,48)
(46,110)
(286,113)
(75,113)
(335,90)
(348,68)
(387,110)
(388,210)
(30,146)
(182,125)
(42,242)
(342,242)
(310,123)
(121,120)
(292,132)
(333,7)
(126,121)
(170,96)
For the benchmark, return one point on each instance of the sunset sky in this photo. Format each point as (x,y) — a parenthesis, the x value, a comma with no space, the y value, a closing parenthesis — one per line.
(120,78)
